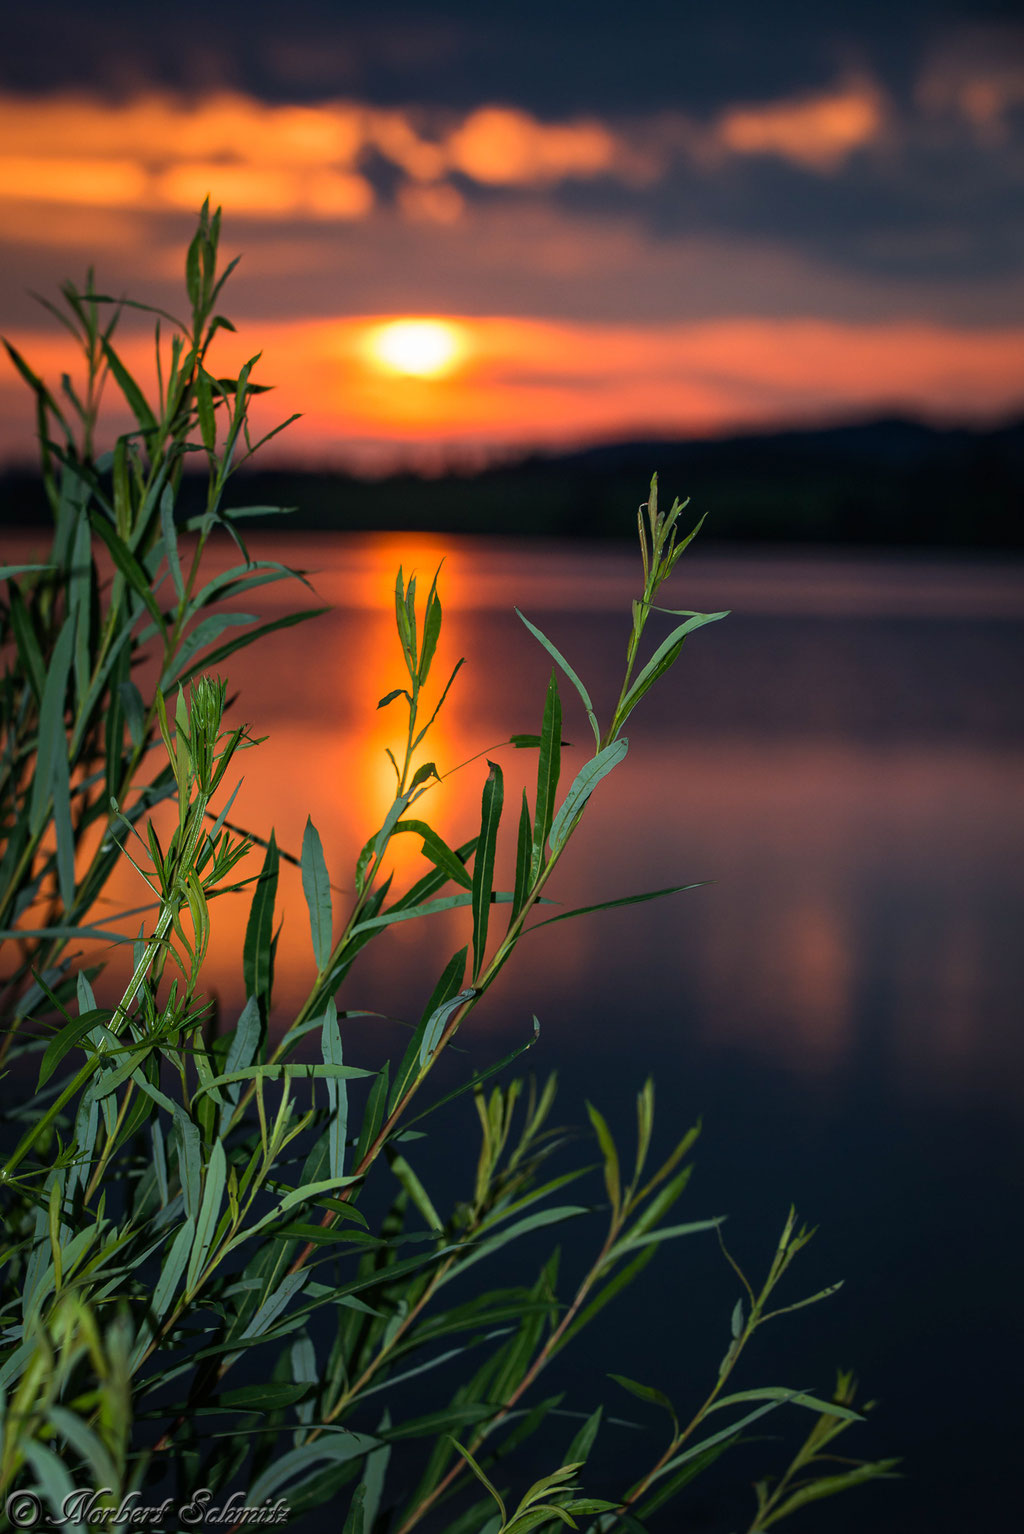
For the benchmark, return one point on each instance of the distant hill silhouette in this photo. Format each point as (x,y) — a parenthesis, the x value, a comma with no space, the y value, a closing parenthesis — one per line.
(882,482)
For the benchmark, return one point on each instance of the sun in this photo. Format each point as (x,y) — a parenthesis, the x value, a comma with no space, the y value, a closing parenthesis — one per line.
(416,348)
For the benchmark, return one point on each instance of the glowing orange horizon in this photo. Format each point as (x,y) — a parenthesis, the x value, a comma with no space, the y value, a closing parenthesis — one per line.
(496,383)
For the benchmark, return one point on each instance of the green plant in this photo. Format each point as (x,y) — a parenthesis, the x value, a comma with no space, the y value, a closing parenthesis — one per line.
(117,597)
(195,1290)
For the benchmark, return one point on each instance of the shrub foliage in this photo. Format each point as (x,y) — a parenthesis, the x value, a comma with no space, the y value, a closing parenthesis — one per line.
(196,1296)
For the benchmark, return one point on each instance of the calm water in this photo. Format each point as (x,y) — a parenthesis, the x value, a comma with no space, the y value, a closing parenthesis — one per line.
(842,757)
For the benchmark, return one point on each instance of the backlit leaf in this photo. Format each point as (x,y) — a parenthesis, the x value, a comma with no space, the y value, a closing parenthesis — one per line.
(317,890)
(483,864)
(586,780)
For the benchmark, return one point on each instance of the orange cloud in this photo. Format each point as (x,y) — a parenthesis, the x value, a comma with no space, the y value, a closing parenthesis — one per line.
(265,190)
(266,160)
(96,182)
(501,146)
(816,132)
(161,129)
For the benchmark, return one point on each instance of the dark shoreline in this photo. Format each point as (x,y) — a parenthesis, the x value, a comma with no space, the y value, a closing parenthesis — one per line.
(885,483)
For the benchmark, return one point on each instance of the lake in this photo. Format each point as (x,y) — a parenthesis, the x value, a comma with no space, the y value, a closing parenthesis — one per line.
(842,757)
(841,760)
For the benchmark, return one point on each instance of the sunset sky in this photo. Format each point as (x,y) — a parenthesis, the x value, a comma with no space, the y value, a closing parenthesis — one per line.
(659,219)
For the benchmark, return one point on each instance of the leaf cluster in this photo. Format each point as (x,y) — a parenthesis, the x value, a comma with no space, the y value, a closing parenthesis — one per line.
(195,1284)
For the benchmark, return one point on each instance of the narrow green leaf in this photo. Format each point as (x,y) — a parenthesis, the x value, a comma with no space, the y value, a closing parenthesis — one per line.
(192,276)
(204,633)
(483,864)
(432,1423)
(313,1190)
(560,659)
(646,1393)
(129,567)
(8,571)
(354,1523)
(317,889)
(622,1279)
(608,905)
(257,956)
(481,1249)
(374,1474)
(170,534)
(437,850)
(278,1291)
(630,1242)
(208,662)
(79,597)
(134,711)
(421,1201)
(399,912)
(64,833)
(266,1397)
(812,1299)
(481,1477)
(337,1092)
(668,1195)
(579,1450)
(716,1438)
(440,702)
(290,1072)
(243,578)
(533,1518)
(427,770)
(612,1178)
(373,1114)
(54,1480)
(288,1467)
(431,631)
(829,1485)
(437,1021)
(479,1078)
(172,1267)
(663,658)
(793,1397)
(667,1489)
(586,780)
(391,819)
(524,857)
(548,770)
(204,409)
(64,1041)
(30,658)
(241,1054)
(89,1447)
(449,983)
(209,1213)
(52,736)
(189,1160)
(406,631)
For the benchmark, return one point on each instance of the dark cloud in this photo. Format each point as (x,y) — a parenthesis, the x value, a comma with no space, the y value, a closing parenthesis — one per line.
(930,218)
(550,56)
